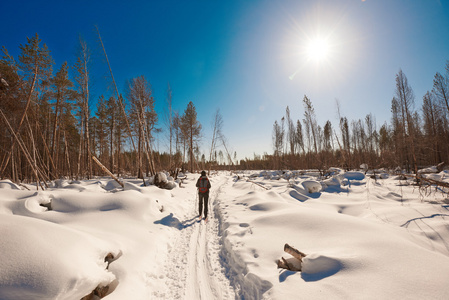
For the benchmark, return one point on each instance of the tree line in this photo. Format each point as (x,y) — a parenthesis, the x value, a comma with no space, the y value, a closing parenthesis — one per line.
(414,138)
(50,130)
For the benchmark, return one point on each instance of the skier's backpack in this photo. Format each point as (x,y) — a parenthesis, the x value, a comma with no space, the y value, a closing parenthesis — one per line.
(203,185)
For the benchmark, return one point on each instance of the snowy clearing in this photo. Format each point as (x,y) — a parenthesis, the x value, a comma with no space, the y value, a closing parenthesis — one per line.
(364,238)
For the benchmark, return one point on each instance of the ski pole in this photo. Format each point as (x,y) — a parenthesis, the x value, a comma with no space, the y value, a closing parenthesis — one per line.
(197,199)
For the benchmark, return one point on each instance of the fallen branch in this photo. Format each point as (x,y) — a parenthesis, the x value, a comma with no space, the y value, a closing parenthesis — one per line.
(428,180)
(258,184)
(284,264)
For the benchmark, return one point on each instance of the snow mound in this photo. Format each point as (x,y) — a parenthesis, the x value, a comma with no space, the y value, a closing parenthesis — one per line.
(69,270)
(8,184)
(61,183)
(112,185)
(312,186)
(170,185)
(129,186)
(333,181)
(320,265)
(29,206)
(162,177)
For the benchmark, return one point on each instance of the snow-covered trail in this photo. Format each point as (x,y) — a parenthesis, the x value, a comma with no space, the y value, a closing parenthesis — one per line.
(193,269)
(200,284)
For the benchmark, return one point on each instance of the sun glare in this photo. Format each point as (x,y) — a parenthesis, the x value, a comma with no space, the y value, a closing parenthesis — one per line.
(321,42)
(317,49)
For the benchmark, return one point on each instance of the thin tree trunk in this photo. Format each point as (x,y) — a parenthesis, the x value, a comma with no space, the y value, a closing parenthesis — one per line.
(23,117)
(55,128)
(69,168)
(116,90)
(50,159)
(25,152)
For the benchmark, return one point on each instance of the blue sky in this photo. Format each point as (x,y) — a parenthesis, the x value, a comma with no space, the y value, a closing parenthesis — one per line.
(247,58)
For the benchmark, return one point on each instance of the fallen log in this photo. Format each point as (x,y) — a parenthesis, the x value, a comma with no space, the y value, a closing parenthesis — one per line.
(294,252)
(107,171)
(294,263)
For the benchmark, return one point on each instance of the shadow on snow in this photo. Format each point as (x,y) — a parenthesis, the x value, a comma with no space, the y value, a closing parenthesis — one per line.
(172,221)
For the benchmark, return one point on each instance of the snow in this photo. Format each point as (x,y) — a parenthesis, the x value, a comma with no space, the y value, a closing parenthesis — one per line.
(372,236)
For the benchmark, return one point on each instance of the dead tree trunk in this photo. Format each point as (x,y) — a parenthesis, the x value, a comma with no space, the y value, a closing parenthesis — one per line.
(107,171)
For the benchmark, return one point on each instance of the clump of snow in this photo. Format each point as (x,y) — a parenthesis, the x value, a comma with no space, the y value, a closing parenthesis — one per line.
(164,180)
(433,176)
(170,185)
(332,181)
(312,186)
(112,186)
(162,177)
(432,169)
(61,183)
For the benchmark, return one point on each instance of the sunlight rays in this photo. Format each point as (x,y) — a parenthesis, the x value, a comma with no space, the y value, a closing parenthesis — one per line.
(320,46)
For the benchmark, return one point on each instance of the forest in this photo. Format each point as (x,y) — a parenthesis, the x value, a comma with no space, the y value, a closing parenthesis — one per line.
(416,137)
(51,130)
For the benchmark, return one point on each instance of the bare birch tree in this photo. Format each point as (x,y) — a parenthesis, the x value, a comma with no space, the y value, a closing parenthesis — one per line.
(217,125)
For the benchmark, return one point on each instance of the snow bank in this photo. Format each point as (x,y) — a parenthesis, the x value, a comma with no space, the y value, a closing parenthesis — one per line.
(55,241)
(43,260)
(364,238)
(355,247)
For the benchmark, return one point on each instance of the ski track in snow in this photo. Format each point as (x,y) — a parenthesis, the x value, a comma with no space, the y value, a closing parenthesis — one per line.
(193,269)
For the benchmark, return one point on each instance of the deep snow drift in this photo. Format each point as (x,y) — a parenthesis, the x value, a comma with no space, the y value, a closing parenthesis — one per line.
(364,238)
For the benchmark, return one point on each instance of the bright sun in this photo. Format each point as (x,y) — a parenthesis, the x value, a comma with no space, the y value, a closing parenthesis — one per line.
(317,49)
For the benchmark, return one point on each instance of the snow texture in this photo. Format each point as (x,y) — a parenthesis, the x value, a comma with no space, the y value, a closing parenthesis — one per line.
(370,236)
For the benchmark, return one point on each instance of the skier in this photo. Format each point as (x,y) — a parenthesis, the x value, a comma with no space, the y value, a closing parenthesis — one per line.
(203,185)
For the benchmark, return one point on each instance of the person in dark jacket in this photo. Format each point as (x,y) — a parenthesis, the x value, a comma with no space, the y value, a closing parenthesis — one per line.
(203,185)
